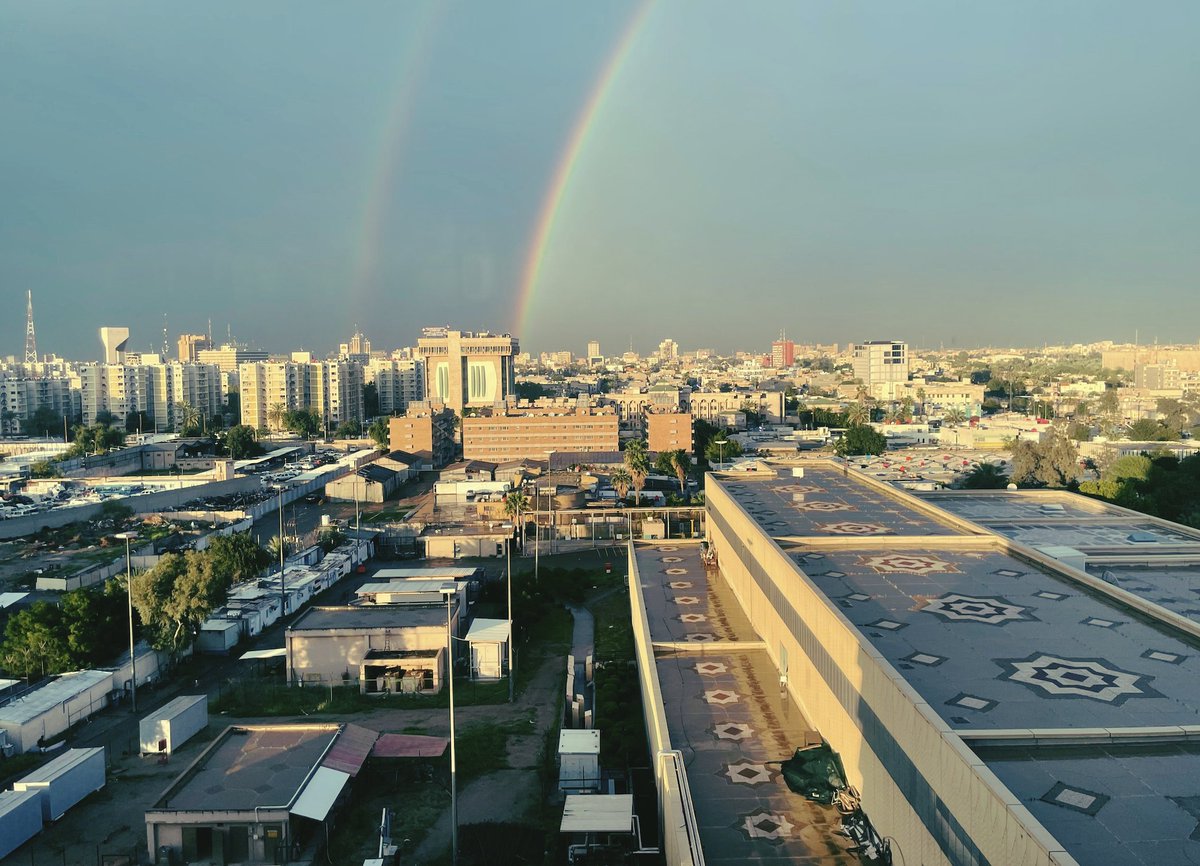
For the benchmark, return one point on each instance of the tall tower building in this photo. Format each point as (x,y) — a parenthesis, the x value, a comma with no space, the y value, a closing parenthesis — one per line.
(31,354)
(465,369)
(191,344)
(783,353)
(115,340)
(880,361)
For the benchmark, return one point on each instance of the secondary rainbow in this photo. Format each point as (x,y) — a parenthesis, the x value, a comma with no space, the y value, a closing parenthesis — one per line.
(561,179)
(414,54)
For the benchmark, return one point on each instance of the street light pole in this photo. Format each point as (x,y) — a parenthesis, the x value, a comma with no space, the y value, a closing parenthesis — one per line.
(282,589)
(129,536)
(508,554)
(453,767)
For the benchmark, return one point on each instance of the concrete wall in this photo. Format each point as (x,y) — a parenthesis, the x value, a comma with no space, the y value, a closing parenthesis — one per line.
(325,656)
(920,783)
(144,504)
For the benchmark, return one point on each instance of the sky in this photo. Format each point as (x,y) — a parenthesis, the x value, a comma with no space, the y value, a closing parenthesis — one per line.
(954,174)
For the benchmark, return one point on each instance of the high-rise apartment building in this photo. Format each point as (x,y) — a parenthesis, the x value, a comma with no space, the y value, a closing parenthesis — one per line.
(668,350)
(594,355)
(880,361)
(465,369)
(21,395)
(1157,377)
(399,383)
(159,390)
(333,389)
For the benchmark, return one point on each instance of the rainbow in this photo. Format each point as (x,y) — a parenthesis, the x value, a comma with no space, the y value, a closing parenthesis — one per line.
(414,53)
(561,180)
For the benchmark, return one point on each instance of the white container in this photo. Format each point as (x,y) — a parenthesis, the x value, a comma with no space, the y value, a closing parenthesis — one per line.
(578,760)
(164,731)
(218,636)
(20,819)
(66,780)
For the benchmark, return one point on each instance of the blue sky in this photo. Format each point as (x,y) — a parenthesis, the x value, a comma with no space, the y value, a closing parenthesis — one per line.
(942,172)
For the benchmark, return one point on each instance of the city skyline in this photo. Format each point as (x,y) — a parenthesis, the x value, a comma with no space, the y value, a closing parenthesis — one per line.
(951,176)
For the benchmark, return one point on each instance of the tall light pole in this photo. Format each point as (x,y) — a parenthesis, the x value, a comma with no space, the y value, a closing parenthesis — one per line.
(553,494)
(356,510)
(128,537)
(451,590)
(282,545)
(508,555)
(721,450)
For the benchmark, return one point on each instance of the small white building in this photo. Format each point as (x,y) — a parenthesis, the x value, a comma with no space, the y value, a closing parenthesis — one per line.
(51,709)
(578,760)
(173,724)
(489,639)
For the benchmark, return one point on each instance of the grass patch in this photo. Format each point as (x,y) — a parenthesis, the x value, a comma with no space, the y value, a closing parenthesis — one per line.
(415,805)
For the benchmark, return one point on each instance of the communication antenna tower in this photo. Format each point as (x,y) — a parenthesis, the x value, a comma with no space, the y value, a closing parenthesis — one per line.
(31,353)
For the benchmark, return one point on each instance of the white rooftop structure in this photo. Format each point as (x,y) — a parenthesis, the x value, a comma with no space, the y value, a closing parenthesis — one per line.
(578,742)
(491,631)
(53,693)
(597,813)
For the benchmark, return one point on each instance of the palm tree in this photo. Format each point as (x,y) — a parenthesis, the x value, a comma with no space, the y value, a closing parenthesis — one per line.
(275,415)
(858,414)
(681,462)
(638,466)
(954,416)
(273,547)
(516,503)
(187,417)
(620,479)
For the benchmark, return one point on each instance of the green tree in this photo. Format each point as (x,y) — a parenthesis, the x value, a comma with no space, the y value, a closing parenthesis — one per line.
(35,642)
(721,448)
(138,422)
(276,415)
(233,407)
(175,596)
(954,416)
(43,422)
(860,439)
(348,430)
(637,464)
(242,442)
(187,419)
(985,476)
(1109,403)
(236,557)
(1146,430)
(681,462)
(94,439)
(516,503)
(306,422)
(380,432)
(104,418)
(620,479)
(858,414)
(273,547)
(43,469)
(1053,462)
(330,538)
(370,397)
(95,623)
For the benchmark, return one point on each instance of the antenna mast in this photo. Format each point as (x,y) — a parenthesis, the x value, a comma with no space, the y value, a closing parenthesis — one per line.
(31,353)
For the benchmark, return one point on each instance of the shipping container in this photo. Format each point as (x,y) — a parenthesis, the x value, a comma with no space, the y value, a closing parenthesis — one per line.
(218,636)
(173,724)
(20,819)
(66,780)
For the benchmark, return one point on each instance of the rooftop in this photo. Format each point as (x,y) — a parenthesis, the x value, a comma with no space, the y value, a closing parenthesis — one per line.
(370,616)
(249,766)
(53,693)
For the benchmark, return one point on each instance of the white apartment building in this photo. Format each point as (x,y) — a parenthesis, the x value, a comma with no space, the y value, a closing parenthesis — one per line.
(332,388)
(880,361)
(399,382)
(21,395)
(156,389)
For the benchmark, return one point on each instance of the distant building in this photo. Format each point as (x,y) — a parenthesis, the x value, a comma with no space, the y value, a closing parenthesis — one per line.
(331,388)
(159,390)
(424,429)
(1158,377)
(514,434)
(399,383)
(668,350)
(229,357)
(783,353)
(1186,358)
(669,432)
(358,349)
(879,361)
(190,345)
(114,340)
(594,356)
(21,396)
(465,369)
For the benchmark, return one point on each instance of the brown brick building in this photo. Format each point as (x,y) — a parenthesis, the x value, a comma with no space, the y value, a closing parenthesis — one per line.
(669,431)
(530,433)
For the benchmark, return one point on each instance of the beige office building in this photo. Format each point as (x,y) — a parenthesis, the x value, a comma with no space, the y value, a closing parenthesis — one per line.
(465,369)
(531,433)
(429,430)
(332,388)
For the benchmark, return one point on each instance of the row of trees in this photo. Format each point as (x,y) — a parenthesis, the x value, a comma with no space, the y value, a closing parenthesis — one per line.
(88,627)
(1158,484)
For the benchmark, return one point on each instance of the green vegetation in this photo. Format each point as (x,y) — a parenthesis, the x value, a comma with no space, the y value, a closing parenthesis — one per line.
(88,628)
(348,430)
(985,476)
(43,469)
(637,464)
(93,439)
(1157,484)
(1053,462)
(240,442)
(721,448)
(1146,430)
(860,439)
(677,463)
(175,596)
(306,422)
(379,432)
(43,422)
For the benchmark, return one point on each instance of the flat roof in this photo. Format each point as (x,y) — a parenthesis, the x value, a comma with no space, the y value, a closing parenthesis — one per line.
(488,631)
(370,616)
(63,763)
(573,741)
(33,704)
(249,766)
(597,813)
(824,502)
(724,710)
